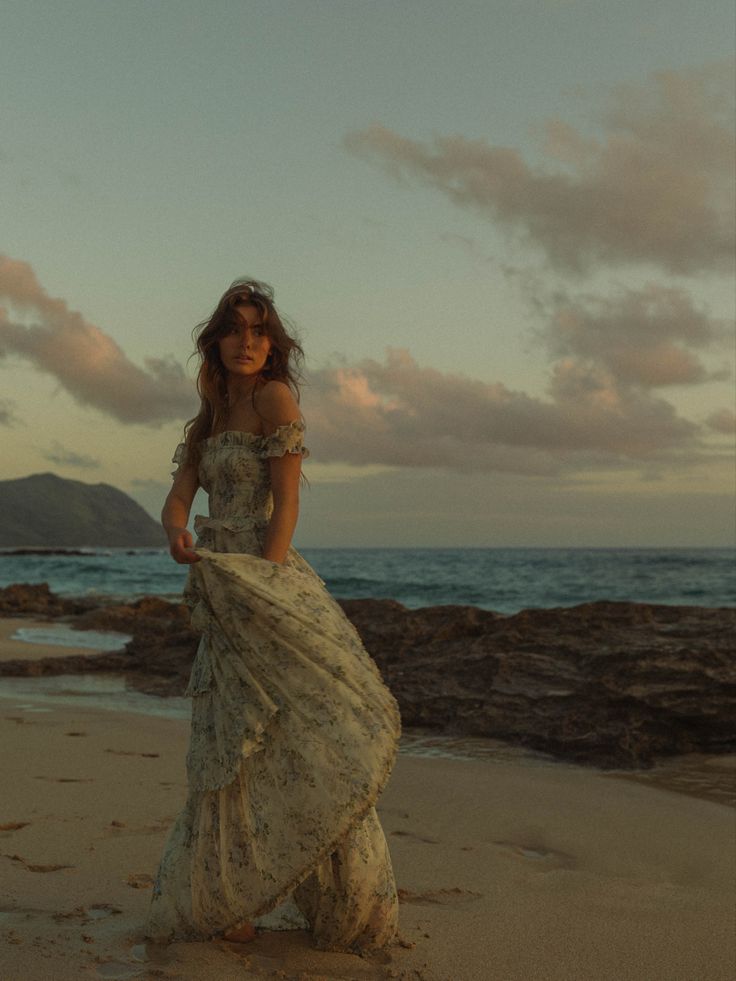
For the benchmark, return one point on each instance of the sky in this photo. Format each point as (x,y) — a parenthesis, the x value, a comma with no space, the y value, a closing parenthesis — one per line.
(503,232)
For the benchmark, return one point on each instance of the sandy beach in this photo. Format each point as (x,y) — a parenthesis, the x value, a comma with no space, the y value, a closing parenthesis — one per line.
(507,868)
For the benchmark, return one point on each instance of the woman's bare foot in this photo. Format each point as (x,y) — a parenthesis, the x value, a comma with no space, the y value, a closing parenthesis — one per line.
(240,934)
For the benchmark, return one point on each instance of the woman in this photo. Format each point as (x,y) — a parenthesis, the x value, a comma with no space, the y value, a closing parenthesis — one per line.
(294,733)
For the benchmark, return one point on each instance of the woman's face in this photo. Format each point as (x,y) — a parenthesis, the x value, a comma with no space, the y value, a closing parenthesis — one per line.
(244,348)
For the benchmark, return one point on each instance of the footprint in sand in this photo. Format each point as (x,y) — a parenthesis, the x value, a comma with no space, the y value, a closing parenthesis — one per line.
(131,752)
(66,779)
(545,858)
(86,914)
(139,880)
(119,828)
(413,834)
(36,868)
(75,733)
(454,896)
(78,913)
(99,911)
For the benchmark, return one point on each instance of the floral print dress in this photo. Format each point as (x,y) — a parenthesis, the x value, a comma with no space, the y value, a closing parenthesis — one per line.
(293,735)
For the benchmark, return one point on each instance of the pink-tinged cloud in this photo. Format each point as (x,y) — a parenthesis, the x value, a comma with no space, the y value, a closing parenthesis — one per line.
(599,410)
(89,364)
(401,414)
(609,356)
(646,337)
(656,187)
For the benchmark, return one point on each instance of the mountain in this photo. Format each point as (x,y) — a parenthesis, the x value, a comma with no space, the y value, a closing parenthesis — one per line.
(46,510)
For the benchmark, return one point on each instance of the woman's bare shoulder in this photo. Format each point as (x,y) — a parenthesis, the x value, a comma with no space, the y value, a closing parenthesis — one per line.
(276,402)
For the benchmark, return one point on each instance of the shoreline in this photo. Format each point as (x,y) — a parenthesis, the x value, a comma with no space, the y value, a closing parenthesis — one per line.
(704,776)
(614,684)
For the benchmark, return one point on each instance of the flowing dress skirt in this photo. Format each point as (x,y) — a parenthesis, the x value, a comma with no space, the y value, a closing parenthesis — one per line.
(294,735)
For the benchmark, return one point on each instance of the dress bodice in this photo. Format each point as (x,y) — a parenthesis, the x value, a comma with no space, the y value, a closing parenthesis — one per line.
(234,472)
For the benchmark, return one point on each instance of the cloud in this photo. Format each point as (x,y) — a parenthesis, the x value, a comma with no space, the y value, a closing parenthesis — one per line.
(655,187)
(68,458)
(86,361)
(609,357)
(644,337)
(600,410)
(400,414)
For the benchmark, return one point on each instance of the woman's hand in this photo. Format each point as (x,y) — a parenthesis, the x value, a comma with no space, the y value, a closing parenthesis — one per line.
(181,545)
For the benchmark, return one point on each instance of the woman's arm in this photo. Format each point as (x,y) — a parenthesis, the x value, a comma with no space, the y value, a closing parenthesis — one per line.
(175,514)
(285,472)
(278,408)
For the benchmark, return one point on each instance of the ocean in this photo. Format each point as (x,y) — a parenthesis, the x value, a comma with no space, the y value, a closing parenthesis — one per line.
(502,579)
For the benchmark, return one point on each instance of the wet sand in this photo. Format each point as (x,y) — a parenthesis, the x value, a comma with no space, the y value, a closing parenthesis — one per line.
(509,865)
(508,870)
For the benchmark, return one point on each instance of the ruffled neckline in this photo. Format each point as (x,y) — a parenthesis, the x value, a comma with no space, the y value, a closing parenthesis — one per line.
(244,434)
(232,432)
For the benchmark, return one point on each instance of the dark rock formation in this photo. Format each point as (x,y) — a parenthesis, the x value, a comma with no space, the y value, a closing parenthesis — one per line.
(46,510)
(36,599)
(615,684)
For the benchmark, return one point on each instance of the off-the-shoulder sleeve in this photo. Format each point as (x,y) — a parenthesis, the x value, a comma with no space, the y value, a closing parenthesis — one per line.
(179,457)
(285,439)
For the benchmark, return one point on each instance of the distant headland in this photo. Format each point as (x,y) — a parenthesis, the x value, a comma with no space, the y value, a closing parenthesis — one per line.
(44,511)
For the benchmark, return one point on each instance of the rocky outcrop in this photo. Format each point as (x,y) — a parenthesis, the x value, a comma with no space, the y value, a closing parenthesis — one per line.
(615,684)
(36,599)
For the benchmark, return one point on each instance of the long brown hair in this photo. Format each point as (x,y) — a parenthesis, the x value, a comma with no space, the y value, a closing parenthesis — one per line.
(283,363)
